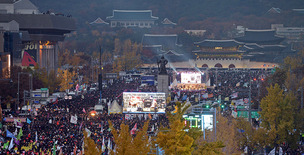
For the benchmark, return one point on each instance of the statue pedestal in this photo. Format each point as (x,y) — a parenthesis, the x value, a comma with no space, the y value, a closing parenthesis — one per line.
(163,84)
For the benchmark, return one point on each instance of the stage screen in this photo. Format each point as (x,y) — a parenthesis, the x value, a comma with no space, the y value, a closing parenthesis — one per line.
(190,78)
(144,102)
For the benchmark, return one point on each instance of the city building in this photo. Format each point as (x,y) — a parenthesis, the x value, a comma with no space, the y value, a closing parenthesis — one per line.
(132,18)
(261,37)
(256,49)
(99,21)
(31,37)
(196,32)
(219,53)
(156,45)
(168,23)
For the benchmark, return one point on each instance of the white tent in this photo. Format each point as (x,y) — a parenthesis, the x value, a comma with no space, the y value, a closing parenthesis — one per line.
(115,108)
(174,83)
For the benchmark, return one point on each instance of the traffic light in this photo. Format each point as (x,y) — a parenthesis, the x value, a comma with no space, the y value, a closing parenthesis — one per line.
(222,106)
(207,106)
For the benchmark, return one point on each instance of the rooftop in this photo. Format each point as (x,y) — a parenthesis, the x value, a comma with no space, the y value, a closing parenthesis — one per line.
(40,21)
(132,15)
(218,43)
(260,36)
(166,21)
(167,40)
(99,21)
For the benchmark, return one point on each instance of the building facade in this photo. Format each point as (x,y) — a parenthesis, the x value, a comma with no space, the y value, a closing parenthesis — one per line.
(256,49)
(31,37)
(132,18)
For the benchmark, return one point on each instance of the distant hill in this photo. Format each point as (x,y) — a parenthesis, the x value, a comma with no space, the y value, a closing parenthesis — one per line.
(218,17)
(176,10)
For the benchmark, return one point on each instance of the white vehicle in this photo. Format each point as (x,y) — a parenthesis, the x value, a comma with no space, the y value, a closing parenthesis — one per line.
(98,108)
(51,99)
(72,93)
(59,94)
(93,89)
(25,110)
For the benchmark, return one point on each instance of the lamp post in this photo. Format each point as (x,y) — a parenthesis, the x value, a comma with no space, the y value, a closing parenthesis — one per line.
(30,86)
(301,90)
(249,103)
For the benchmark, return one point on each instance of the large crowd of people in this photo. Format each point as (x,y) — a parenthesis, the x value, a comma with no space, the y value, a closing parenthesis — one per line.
(58,127)
(50,126)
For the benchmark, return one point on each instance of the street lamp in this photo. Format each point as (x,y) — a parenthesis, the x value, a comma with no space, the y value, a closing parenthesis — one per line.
(30,86)
(249,102)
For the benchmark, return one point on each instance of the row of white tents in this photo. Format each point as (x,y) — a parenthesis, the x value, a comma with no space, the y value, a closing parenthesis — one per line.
(114,107)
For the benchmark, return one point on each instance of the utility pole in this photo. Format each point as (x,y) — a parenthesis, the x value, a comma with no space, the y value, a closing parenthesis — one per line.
(18,91)
(100,50)
(259,89)
(301,97)
(92,68)
(249,103)
(30,87)
(204,126)
(214,124)
(216,78)
(100,82)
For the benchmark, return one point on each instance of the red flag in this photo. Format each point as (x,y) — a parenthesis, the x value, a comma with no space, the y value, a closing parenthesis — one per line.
(83,110)
(56,101)
(132,132)
(150,116)
(210,95)
(75,149)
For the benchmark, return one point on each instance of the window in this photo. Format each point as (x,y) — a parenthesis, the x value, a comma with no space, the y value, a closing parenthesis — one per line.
(231,66)
(218,65)
(205,66)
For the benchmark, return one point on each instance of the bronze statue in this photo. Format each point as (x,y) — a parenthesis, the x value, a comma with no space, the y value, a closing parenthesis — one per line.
(162,68)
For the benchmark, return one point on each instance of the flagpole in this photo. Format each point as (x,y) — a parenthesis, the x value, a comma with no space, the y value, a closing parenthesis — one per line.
(204,127)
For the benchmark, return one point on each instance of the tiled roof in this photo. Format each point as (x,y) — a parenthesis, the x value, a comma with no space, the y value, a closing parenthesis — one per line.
(99,21)
(166,21)
(260,37)
(274,10)
(273,47)
(167,40)
(218,43)
(298,10)
(132,15)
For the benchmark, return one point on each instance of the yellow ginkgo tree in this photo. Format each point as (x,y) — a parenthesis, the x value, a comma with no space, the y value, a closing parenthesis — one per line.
(66,79)
(174,140)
